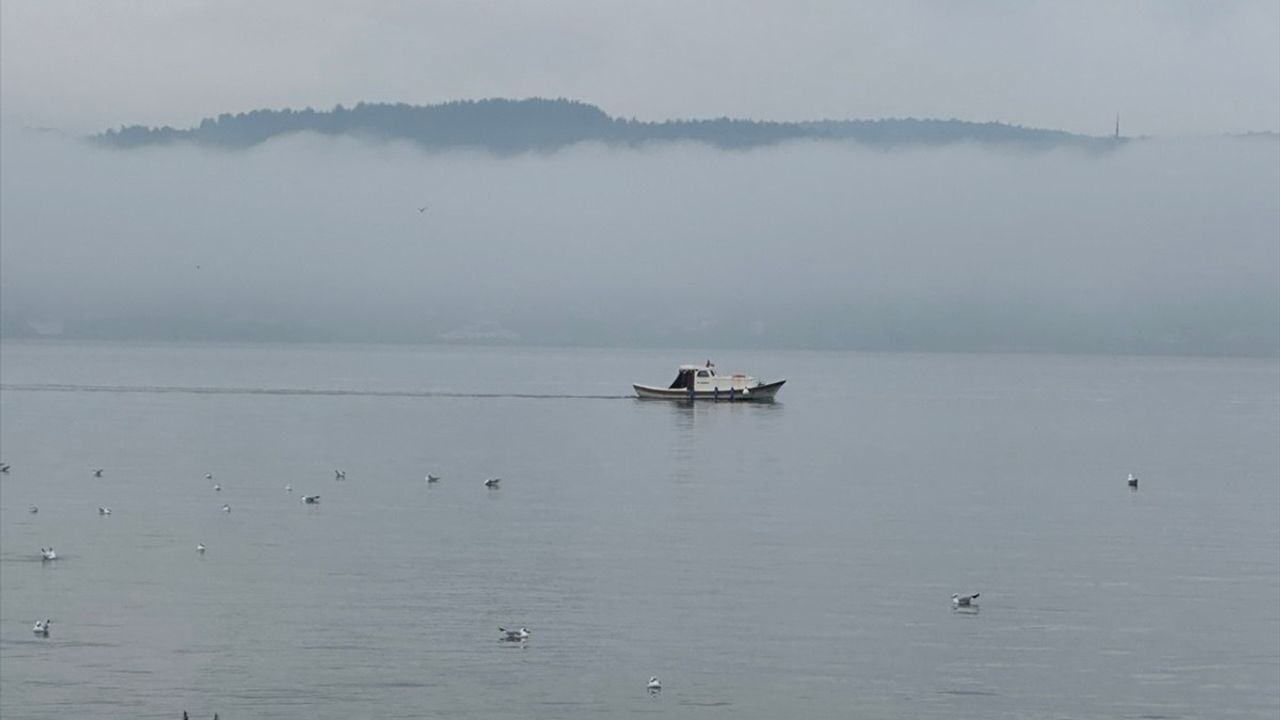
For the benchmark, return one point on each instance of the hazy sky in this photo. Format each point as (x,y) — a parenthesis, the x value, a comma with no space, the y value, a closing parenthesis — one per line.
(1164,245)
(1169,68)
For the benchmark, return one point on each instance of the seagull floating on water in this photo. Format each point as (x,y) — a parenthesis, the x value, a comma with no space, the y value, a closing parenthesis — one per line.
(226,508)
(200,548)
(1133,480)
(288,488)
(217,488)
(97,473)
(42,628)
(492,483)
(33,509)
(104,511)
(515,635)
(964,600)
(208,476)
(433,478)
(48,553)
(654,684)
(311,499)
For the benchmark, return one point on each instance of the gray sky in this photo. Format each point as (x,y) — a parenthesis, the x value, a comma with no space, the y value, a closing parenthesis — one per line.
(1169,68)
(1171,244)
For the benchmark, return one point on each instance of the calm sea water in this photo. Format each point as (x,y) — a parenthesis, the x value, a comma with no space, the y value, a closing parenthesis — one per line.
(785,560)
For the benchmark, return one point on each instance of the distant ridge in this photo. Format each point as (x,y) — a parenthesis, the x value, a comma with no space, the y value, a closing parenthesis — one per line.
(540,125)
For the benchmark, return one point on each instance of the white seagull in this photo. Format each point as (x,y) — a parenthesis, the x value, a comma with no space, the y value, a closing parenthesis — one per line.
(200,548)
(654,684)
(288,488)
(492,483)
(208,476)
(48,553)
(33,509)
(42,628)
(964,600)
(515,635)
(104,511)
(226,508)
(217,487)
(311,499)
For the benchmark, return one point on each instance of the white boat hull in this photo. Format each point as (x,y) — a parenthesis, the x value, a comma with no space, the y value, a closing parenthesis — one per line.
(758,393)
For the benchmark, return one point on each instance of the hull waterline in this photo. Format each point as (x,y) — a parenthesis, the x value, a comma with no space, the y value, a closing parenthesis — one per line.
(759,393)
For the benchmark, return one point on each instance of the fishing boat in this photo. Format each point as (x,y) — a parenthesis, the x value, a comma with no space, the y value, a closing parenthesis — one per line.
(700,382)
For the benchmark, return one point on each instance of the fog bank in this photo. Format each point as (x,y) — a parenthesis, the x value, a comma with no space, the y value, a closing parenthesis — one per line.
(1160,246)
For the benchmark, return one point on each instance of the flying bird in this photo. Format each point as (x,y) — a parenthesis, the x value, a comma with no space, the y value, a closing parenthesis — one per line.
(492,483)
(339,474)
(423,208)
(97,473)
(4,467)
(1133,480)
(104,511)
(964,600)
(311,499)
(433,478)
(515,635)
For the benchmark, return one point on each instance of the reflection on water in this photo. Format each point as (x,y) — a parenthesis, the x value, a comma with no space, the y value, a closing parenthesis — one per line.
(715,433)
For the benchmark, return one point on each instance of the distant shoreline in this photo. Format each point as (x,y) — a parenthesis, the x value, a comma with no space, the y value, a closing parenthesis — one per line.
(538,345)
(505,126)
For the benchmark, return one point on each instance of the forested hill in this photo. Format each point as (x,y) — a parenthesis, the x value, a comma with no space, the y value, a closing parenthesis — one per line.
(514,126)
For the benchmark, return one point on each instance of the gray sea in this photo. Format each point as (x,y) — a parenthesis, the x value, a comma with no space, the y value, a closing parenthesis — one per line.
(788,560)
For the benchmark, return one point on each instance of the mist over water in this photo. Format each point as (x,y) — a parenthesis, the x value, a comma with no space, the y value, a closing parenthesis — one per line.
(1008,257)
(1168,246)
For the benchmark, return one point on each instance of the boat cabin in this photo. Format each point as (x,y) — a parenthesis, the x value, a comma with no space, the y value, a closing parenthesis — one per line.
(687,373)
(703,378)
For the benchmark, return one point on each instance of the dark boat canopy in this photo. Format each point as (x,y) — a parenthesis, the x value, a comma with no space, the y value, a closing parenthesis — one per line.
(684,379)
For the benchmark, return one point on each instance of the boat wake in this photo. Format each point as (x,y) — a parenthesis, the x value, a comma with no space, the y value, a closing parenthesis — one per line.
(192,390)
